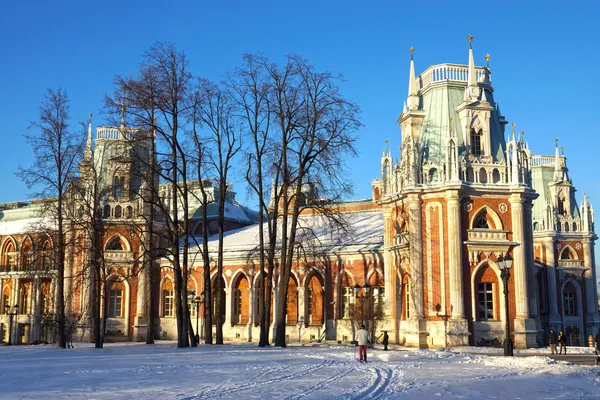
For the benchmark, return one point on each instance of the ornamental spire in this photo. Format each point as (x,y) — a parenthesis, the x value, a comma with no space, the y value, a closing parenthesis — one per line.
(472,77)
(557,169)
(413,99)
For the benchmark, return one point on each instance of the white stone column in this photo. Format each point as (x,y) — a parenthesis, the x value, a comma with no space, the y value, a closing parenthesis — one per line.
(455,256)
(590,284)
(139,322)
(228,308)
(519,269)
(388,267)
(530,258)
(553,297)
(416,255)
(301,304)
(251,316)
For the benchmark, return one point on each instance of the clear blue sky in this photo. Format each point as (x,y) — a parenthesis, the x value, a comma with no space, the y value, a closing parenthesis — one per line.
(544,60)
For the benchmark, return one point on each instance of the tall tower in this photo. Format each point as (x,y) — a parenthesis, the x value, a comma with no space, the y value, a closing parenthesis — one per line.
(466,192)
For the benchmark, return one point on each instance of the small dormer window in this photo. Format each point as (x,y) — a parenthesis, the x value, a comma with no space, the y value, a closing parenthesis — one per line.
(476,142)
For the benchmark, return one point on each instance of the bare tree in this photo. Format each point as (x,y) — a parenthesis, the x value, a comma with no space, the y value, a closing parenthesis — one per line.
(158,98)
(318,124)
(250,88)
(56,152)
(216,113)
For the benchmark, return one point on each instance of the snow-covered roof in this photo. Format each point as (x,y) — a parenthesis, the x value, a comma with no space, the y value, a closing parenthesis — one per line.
(362,231)
(24,218)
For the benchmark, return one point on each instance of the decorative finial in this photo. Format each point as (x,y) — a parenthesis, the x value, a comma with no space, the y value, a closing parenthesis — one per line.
(487,61)
(556,141)
(563,150)
(90,115)
(522,133)
(470,39)
(412,50)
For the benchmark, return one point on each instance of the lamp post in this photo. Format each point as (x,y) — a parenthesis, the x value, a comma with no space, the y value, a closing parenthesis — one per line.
(505,265)
(357,289)
(11,314)
(197,300)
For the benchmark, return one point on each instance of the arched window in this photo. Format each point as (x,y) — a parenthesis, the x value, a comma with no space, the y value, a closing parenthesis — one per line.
(377,292)
(314,301)
(292,303)
(481,221)
(106,212)
(561,206)
(240,301)
(470,174)
(26,253)
(9,258)
(566,227)
(116,298)
(47,255)
(116,184)
(114,244)
(406,298)
(129,213)
(118,210)
(574,227)
(487,291)
(476,142)
(569,254)
(122,187)
(346,297)
(483,176)
(433,175)
(496,176)
(570,300)
(167,299)
(536,226)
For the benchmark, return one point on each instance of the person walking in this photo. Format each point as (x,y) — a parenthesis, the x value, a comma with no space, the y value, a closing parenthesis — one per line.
(385,341)
(552,339)
(362,337)
(597,350)
(562,343)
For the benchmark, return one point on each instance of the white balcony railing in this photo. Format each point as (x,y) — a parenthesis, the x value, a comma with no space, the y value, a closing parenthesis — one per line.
(450,73)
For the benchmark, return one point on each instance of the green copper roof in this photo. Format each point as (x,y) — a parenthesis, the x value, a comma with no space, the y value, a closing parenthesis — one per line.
(440,103)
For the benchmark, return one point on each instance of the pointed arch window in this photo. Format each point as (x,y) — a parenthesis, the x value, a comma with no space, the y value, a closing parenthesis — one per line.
(115,245)
(481,222)
(477,142)
(561,206)
(570,303)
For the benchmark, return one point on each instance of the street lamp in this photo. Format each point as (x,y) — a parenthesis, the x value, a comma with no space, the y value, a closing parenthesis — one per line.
(505,265)
(11,314)
(357,289)
(198,300)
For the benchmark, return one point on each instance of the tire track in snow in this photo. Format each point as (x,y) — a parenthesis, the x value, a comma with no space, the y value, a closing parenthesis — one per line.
(379,385)
(322,383)
(216,392)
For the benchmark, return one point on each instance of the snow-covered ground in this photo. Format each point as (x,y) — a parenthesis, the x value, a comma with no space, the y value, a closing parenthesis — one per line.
(243,371)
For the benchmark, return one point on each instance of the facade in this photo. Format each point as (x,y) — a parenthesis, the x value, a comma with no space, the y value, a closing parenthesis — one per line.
(422,258)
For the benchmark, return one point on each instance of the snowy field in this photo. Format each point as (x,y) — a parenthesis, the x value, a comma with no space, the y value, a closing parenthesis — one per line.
(243,371)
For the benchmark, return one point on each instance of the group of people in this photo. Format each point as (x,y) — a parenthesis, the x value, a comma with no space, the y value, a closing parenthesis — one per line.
(363,338)
(561,340)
